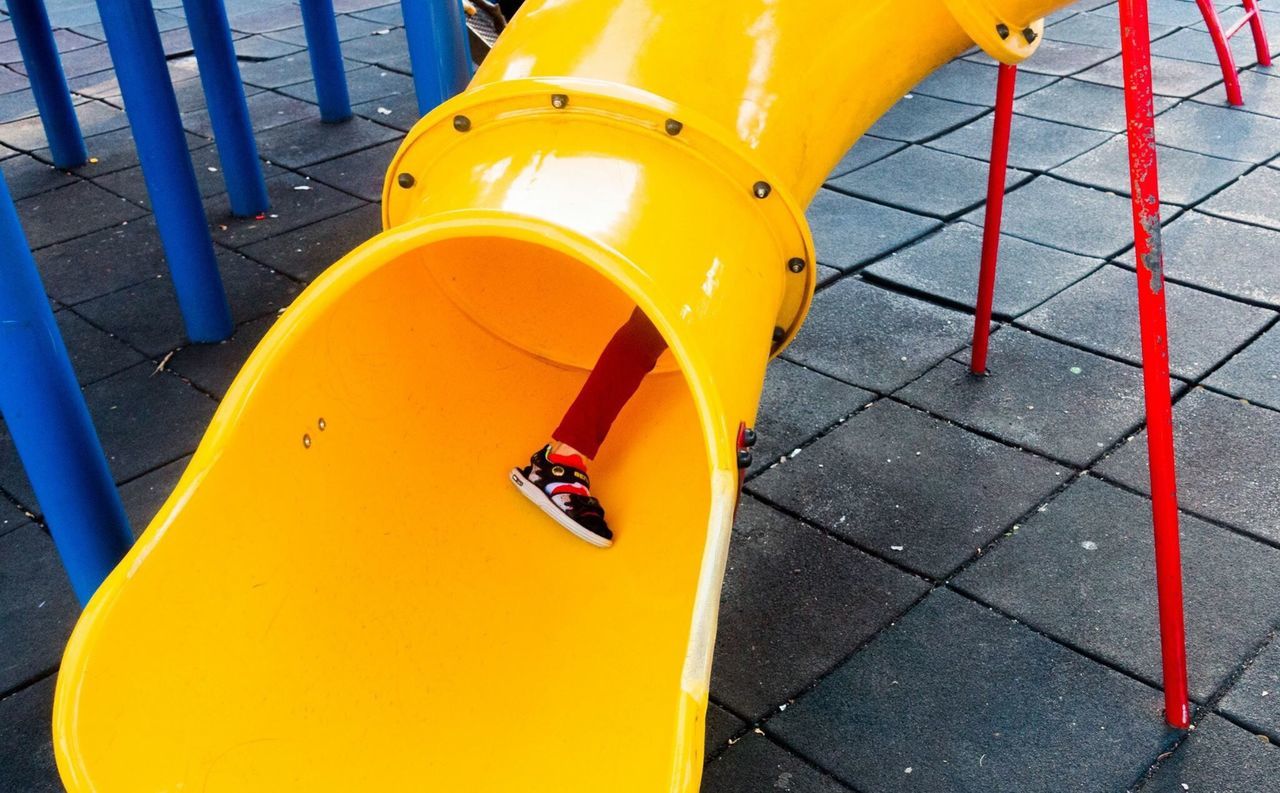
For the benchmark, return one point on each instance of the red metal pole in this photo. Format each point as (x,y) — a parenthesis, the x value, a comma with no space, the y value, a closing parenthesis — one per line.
(1008,77)
(1259,33)
(1144,183)
(1225,59)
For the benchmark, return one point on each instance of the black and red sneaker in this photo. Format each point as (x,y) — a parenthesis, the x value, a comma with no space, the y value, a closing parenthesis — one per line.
(563,491)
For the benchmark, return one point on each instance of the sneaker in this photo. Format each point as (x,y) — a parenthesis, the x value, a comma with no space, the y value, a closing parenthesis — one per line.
(564,492)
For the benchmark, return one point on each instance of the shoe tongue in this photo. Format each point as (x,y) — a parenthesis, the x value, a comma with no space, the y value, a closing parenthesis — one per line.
(571,460)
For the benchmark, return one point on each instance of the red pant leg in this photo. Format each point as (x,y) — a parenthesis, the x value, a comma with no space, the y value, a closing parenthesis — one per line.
(629,356)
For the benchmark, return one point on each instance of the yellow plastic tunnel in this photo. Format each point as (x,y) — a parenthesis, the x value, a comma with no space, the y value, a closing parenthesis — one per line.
(345,592)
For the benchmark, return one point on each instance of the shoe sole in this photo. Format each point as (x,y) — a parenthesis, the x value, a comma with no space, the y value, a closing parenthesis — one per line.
(544,503)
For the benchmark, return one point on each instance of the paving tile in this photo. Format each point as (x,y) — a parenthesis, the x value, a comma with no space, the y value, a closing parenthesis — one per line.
(26,742)
(37,607)
(1219,757)
(399,111)
(1040,395)
(756,764)
(1083,570)
(1083,104)
(1254,699)
(1034,144)
(309,142)
(917,117)
(1254,198)
(267,109)
(28,177)
(84,60)
(349,27)
(1020,711)
(1261,92)
(1220,132)
(1195,45)
(277,72)
(131,184)
(909,487)
(68,212)
(386,14)
(924,181)
(369,84)
(1097,30)
(306,252)
(361,174)
(66,41)
(1060,58)
(1254,373)
(796,405)
(1101,314)
(1172,77)
(260,48)
(1172,13)
(17,104)
(945,265)
(867,150)
(1185,177)
(94,354)
(113,151)
(269,17)
(94,117)
(1066,216)
(144,496)
(212,367)
(827,274)
(389,50)
(10,516)
(974,83)
(876,339)
(295,202)
(1222,256)
(147,316)
(722,726)
(1227,466)
(102,262)
(795,603)
(849,232)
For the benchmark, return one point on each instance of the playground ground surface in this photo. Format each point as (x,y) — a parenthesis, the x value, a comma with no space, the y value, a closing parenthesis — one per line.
(937,583)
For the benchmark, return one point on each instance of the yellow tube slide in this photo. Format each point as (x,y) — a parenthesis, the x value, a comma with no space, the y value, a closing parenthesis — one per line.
(345,592)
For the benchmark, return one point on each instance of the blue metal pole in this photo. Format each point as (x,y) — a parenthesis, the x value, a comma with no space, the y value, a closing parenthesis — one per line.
(49,422)
(48,82)
(228,110)
(438,49)
(149,101)
(321,28)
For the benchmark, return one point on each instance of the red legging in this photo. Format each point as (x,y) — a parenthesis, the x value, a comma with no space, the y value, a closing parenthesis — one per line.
(629,356)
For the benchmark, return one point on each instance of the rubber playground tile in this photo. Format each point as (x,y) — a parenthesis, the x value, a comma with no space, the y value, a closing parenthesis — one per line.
(945,265)
(27,177)
(364,85)
(205,162)
(865,151)
(919,491)
(1254,198)
(1067,216)
(102,262)
(113,151)
(827,274)
(974,83)
(260,47)
(722,727)
(82,60)
(795,602)
(1227,466)
(1195,45)
(361,174)
(1034,144)
(94,354)
(95,118)
(1061,58)
(1253,374)
(267,109)
(925,181)
(389,14)
(399,111)
(917,117)
(1097,30)
(349,27)
(1100,313)
(277,72)
(1220,132)
(37,607)
(144,496)
(758,764)
(1173,13)
(849,232)
(66,41)
(10,516)
(1261,92)
(306,252)
(212,367)
(1218,756)
(147,315)
(1172,77)
(876,339)
(17,104)
(1222,256)
(354,6)
(269,17)
(295,202)
(26,742)
(957,697)
(1185,177)
(309,142)
(1254,699)
(1082,570)
(389,50)
(796,405)
(1040,395)
(1082,104)
(49,218)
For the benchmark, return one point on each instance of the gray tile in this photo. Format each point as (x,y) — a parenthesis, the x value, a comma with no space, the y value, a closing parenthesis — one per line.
(827,274)
(1218,757)
(917,117)
(925,181)
(144,496)
(1040,395)
(277,72)
(956,697)
(1034,144)
(1083,104)
(1231,258)
(261,48)
(1194,45)
(1096,30)
(876,339)
(1060,58)
(945,265)
(267,109)
(267,18)
(131,184)
(309,142)
(1254,699)
(295,201)
(102,262)
(37,607)
(388,50)
(10,516)
(212,367)
(305,252)
(1101,314)
(722,726)
(349,27)
(1083,571)
(796,405)
(1254,198)
(795,603)
(114,151)
(974,83)
(26,177)
(1261,91)
(1174,13)
(46,218)
(94,354)
(849,232)
(399,111)
(26,743)
(95,118)
(914,489)
(867,150)
(1220,132)
(1171,77)
(1185,177)
(385,15)
(755,765)
(1066,216)
(360,174)
(369,84)
(1254,373)
(1227,466)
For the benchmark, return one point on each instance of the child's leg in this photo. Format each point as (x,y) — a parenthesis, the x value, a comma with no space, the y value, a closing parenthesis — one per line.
(629,356)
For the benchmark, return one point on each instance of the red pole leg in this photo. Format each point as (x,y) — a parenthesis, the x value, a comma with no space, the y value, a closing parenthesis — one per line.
(1225,59)
(1260,42)
(1144,183)
(1008,77)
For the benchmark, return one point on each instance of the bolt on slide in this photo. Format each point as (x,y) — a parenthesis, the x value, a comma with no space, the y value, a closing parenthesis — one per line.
(344,592)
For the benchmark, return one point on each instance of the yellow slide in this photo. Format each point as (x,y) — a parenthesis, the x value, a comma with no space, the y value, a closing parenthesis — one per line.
(345,592)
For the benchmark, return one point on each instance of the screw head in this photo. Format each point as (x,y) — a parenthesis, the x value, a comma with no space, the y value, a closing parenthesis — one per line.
(321,424)
(673,127)
(779,334)
(744,458)
(1029,35)
(1002,30)
(761,189)
(749,437)
(796,265)
(559,101)
(461,123)
(306,441)
(405,180)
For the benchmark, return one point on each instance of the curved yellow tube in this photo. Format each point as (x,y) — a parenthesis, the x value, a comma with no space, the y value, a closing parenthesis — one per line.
(343,592)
